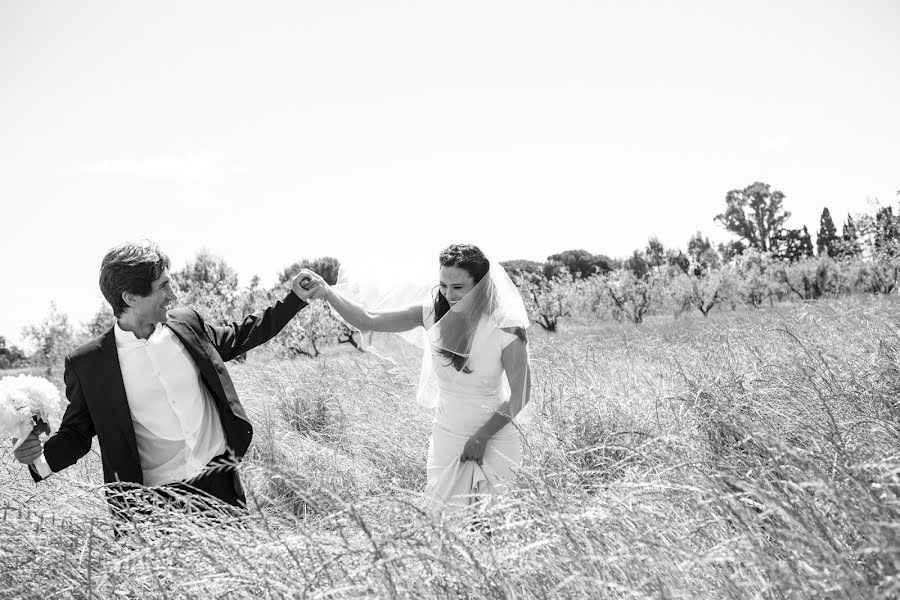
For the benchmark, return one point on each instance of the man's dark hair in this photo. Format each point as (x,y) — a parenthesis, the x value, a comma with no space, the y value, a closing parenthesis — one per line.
(130,268)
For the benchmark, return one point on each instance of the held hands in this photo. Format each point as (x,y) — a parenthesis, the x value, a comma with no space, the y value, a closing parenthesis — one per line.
(30,448)
(307,284)
(474,450)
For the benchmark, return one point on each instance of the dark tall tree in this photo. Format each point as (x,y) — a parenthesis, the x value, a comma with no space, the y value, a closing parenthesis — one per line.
(849,242)
(325,266)
(806,247)
(755,214)
(887,231)
(827,237)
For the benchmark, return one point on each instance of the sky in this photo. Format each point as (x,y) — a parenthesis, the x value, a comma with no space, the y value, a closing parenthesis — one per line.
(270,132)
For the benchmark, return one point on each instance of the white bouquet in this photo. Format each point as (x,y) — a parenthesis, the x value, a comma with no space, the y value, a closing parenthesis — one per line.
(26,402)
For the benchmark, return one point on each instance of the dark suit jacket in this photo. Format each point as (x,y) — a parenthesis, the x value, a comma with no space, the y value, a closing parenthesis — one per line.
(98,405)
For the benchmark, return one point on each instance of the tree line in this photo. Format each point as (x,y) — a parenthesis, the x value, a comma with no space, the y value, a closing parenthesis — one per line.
(765,262)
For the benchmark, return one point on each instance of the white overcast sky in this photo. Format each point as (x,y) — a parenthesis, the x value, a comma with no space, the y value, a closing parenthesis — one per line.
(271,132)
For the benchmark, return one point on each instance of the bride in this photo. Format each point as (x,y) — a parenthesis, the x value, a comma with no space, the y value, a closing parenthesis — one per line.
(475,372)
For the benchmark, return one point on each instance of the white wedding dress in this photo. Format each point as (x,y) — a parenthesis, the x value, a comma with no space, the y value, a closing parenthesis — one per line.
(465,402)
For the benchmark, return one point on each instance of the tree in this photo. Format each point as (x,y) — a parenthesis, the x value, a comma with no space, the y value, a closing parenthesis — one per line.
(209,285)
(703,291)
(847,244)
(207,270)
(632,297)
(10,356)
(792,245)
(522,266)
(102,320)
(806,247)
(754,214)
(655,253)
(637,264)
(810,278)
(702,255)
(326,266)
(53,338)
(731,250)
(826,238)
(546,300)
(581,263)
(309,330)
(887,232)
(678,261)
(553,268)
(753,278)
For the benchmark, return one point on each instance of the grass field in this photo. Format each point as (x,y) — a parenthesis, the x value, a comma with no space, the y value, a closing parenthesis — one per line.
(754,454)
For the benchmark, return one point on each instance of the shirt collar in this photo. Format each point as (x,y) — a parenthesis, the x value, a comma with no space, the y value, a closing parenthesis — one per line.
(127,338)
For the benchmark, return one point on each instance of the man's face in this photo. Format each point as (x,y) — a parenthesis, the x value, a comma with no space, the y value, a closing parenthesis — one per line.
(152,307)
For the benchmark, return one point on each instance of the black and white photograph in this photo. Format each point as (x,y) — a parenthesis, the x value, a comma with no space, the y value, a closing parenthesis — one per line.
(476,300)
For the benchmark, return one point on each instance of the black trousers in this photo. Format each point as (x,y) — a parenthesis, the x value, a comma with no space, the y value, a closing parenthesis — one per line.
(204,494)
(218,480)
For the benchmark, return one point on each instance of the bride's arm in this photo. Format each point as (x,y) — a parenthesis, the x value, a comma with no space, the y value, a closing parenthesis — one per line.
(395,320)
(515,362)
(518,372)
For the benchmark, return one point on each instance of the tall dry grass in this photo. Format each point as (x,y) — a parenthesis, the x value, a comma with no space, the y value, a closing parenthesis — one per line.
(749,455)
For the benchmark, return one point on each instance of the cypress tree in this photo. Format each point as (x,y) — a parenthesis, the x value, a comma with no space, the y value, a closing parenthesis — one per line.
(827,235)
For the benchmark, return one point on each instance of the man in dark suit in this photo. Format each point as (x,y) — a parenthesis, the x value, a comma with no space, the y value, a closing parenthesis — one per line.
(155,391)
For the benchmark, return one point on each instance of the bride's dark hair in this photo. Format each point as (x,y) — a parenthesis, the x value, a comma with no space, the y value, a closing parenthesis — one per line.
(472,260)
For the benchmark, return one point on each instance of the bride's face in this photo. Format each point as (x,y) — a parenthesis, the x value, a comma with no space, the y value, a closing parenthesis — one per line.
(455,283)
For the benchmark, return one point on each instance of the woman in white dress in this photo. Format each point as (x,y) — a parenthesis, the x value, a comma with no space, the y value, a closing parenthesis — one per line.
(475,372)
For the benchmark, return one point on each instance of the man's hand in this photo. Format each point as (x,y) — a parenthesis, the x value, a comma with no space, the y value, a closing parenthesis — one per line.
(307,284)
(474,450)
(30,449)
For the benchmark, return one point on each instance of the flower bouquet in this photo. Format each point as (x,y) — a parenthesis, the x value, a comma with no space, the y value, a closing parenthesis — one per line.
(27,402)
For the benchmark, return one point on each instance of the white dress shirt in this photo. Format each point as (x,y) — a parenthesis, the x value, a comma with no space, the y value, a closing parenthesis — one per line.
(176,423)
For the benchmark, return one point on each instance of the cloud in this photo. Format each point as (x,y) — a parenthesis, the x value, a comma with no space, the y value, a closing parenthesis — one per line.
(774,143)
(203,166)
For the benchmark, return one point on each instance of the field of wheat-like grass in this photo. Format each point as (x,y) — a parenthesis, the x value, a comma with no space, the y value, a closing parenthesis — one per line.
(753,454)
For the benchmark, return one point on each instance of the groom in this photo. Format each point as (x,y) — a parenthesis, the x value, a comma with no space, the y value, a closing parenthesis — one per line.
(154,388)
